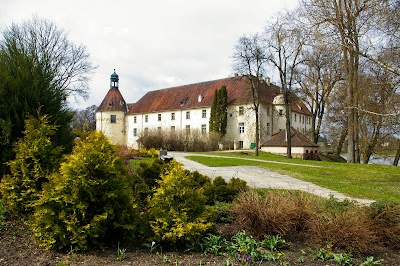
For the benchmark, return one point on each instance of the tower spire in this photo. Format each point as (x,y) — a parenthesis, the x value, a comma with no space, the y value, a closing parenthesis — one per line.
(114,81)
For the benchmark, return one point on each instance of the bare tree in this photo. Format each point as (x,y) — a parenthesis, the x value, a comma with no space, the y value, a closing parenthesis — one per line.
(85,120)
(317,76)
(352,25)
(284,44)
(67,64)
(249,60)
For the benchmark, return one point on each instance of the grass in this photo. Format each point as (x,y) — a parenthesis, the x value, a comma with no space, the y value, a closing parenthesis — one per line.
(376,182)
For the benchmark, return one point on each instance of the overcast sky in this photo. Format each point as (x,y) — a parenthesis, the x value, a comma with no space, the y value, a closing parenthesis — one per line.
(152,44)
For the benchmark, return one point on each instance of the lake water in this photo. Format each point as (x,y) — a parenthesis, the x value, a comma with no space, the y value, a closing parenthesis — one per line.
(379,160)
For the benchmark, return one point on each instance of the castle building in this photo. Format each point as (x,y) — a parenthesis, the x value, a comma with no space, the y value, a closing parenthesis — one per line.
(187,108)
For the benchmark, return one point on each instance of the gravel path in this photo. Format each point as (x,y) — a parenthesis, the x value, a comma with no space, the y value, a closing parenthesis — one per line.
(259,177)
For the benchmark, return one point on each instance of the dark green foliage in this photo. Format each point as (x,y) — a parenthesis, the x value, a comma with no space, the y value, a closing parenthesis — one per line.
(145,180)
(36,158)
(39,69)
(3,211)
(218,116)
(89,203)
(222,191)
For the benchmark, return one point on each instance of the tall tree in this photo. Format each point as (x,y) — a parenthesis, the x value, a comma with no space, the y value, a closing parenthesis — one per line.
(350,25)
(317,76)
(39,69)
(218,115)
(284,45)
(249,61)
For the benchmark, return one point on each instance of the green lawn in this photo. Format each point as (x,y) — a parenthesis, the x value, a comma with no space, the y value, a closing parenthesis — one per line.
(376,182)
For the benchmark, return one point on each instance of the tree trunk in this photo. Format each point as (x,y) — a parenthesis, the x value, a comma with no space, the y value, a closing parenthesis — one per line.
(343,135)
(397,157)
(288,130)
(256,148)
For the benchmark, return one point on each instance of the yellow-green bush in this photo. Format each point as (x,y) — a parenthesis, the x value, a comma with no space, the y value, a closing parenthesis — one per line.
(152,152)
(35,158)
(89,202)
(177,210)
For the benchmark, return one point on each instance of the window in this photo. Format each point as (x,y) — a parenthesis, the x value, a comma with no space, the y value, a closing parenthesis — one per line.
(204,113)
(173,128)
(146,118)
(268,110)
(172,116)
(188,115)
(280,112)
(241,128)
(134,119)
(309,121)
(187,129)
(203,128)
(159,117)
(146,130)
(113,119)
(295,117)
(159,129)
(135,132)
(241,110)
(268,128)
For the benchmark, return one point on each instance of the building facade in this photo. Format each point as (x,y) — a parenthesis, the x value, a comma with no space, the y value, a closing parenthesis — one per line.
(187,108)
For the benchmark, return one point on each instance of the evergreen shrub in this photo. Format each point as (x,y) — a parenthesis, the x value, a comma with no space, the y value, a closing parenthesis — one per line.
(177,211)
(35,158)
(89,203)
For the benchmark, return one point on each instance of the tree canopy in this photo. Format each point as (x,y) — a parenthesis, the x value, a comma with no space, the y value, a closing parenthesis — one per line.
(39,69)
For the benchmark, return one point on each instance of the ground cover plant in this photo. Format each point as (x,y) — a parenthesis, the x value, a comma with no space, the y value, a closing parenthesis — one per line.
(376,182)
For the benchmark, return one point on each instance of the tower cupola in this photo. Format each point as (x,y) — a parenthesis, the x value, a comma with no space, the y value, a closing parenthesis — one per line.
(114,81)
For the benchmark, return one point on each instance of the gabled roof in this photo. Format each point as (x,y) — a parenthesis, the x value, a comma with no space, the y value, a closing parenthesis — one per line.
(298,140)
(187,96)
(113,102)
(300,107)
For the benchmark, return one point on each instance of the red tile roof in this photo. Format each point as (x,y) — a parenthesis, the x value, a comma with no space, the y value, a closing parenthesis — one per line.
(298,140)
(187,96)
(113,102)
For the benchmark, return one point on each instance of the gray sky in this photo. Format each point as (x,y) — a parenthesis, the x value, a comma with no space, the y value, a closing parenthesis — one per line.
(152,44)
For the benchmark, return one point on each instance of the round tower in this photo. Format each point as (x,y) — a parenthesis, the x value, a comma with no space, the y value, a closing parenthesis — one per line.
(111,114)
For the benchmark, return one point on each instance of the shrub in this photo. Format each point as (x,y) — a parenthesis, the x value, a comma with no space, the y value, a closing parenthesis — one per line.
(342,225)
(275,213)
(179,140)
(145,180)
(385,216)
(177,209)
(3,212)
(35,158)
(220,190)
(89,203)
(152,152)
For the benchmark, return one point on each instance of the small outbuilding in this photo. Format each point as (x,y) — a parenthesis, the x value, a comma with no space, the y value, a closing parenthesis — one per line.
(302,147)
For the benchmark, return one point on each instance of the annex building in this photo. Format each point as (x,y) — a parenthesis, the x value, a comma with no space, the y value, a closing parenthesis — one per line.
(187,108)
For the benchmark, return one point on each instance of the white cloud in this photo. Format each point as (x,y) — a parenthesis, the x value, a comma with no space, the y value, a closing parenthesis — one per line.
(152,44)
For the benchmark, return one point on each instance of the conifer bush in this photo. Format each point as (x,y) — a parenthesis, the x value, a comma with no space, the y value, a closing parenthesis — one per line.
(35,158)
(177,210)
(89,202)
